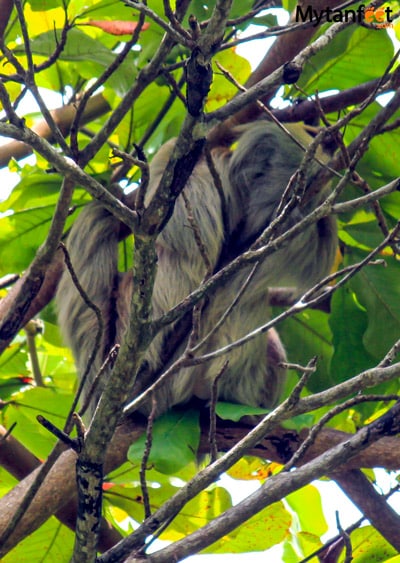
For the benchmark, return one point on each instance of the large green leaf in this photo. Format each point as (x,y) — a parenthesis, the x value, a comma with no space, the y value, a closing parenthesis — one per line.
(348,322)
(129,497)
(13,361)
(44,5)
(380,164)
(368,546)
(7,481)
(20,236)
(175,440)
(88,57)
(307,335)
(197,512)
(233,411)
(221,89)
(344,61)
(264,530)
(80,47)
(378,290)
(36,190)
(361,231)
(306,503)
(23,410)
(52,543)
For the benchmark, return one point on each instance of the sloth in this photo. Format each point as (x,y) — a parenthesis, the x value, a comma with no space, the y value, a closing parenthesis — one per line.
(254,174)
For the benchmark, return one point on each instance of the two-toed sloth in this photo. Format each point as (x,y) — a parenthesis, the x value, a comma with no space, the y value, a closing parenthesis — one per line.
(254,176)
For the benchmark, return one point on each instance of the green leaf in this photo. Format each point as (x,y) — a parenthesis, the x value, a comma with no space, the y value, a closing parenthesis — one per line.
(299,422)
(20,236)
(378,291)
(233,411)
(129,498)
(250,468)
(307,335)
(93,57)
(13,362)
(25,407)
(197,512)
(52,543)
(368,546)
(175,440)
(290,554)
(80,47)
(102,9)
(348,322)
(7,481)
(308,542)
(362,232)
(36,190)
(221,89)
(44,5)
(264,530)
(342,63)
(380,164)
(306,503)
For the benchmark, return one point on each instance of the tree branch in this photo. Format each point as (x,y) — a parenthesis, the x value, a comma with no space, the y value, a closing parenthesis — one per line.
(116,393)
(284,49)
(63,117)
(274,489)
(6,7)
(20,462)
(373,505)
(59,486)
(24,292)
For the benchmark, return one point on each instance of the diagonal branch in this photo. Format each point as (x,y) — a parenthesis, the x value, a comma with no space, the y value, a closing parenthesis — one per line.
(60,483)
(63,117)
(274,489)
(373,505)
(6,7)
(20,462)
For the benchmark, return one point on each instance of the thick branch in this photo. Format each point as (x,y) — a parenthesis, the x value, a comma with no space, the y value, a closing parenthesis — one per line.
(6,7)
(308,110)
(58,489)
(20,462)
(30,285)
(108,412)
(282,443)
(63,117)
(9,306)
(283,50)
(60,484)
(274,489)
(373,505)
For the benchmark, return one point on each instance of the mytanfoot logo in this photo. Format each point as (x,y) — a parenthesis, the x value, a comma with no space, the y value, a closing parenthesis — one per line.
(378,17)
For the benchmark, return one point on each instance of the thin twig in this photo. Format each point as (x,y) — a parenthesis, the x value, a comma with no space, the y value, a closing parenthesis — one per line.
(115,65)
(213,416)
(346,540)
(60,434)
(145,458)
(100,325)
(314,431)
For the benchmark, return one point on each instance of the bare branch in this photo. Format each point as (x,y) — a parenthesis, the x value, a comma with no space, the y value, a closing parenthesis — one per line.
(6,7)
(373,505)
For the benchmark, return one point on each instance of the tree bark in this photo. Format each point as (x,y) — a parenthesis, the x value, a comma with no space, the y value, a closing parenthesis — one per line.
(59,487)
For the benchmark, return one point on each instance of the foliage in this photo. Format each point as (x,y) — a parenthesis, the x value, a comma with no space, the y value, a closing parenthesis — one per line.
(72,44)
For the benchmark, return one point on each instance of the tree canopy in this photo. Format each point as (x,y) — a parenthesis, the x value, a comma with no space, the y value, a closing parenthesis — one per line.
(124,77)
